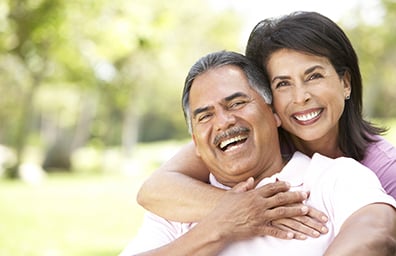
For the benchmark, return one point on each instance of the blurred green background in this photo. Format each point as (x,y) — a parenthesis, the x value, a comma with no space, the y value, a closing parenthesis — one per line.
(90,106)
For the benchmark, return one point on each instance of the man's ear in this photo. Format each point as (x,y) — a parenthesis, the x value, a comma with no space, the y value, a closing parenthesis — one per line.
(195,144)
(277,120)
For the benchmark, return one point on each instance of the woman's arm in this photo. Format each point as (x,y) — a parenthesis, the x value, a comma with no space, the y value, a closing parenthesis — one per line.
(371,231)
(179,189)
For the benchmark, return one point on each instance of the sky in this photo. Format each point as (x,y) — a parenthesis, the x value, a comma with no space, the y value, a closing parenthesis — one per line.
(255,10)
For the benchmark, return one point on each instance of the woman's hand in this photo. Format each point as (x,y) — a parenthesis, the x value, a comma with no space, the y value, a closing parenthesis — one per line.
(312,224)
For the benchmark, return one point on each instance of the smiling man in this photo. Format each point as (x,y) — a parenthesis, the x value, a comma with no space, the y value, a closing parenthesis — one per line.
(232,126)
(226,103)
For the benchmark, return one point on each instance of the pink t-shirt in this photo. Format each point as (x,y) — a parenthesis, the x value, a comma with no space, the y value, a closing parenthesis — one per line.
(381,159)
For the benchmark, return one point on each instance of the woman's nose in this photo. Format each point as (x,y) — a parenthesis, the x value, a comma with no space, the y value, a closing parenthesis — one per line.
(301,95)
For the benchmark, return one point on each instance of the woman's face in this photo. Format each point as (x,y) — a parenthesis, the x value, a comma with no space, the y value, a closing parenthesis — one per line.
(309,96)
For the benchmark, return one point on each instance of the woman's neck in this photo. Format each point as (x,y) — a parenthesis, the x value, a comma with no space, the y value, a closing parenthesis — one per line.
(327,147)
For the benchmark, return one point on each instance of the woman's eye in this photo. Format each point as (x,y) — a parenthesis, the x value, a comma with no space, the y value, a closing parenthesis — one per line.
(281,84)
(315,76)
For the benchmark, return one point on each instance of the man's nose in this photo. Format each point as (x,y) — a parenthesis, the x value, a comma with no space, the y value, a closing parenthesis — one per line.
(224,120)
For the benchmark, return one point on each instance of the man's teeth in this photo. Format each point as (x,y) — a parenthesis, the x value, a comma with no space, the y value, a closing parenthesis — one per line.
(308,116)
(227,142)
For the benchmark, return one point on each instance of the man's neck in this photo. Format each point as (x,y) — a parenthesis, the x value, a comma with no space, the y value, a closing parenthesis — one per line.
(275,167)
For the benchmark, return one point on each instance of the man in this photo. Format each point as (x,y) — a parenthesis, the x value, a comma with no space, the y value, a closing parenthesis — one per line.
(235,133)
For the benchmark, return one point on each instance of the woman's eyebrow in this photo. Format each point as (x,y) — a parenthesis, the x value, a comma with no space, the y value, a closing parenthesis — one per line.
(309,70)
(280,78)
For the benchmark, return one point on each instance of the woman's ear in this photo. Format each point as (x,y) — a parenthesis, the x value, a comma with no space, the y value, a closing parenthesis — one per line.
(346,79)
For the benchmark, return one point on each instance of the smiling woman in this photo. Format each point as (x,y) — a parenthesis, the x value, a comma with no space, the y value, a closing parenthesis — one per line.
(309,97)
(311,40)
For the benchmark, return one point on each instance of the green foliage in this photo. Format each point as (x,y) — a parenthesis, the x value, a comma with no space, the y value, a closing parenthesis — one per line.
(82,71)
(375,44)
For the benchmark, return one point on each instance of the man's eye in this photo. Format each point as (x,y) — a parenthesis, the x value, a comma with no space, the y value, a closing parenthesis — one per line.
(237,104)
(204,117)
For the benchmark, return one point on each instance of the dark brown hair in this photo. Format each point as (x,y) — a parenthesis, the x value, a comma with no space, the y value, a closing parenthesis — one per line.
(313,33)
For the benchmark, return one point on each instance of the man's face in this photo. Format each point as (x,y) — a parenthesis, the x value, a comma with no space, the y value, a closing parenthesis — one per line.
(234,130)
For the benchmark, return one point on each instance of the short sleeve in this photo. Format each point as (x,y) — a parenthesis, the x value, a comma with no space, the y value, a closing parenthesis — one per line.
(355,186)
(154,232)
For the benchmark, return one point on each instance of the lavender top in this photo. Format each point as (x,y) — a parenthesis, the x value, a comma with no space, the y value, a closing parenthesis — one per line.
(381,159)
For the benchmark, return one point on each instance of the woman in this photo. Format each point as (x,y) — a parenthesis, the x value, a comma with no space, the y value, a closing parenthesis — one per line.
(306,56)
(315,35)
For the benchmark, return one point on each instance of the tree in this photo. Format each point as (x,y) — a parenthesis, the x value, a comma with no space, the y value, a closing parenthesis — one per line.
(99,72)
(375,44)
(34,32)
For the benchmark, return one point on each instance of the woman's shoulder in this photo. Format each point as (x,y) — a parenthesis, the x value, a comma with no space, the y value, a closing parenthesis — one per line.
(380,148)
(380,157)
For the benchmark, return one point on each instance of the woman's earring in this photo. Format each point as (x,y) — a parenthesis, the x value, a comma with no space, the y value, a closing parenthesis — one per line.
(347,97)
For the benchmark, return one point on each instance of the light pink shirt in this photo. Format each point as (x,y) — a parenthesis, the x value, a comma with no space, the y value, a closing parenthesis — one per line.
(338,187)
(381,159)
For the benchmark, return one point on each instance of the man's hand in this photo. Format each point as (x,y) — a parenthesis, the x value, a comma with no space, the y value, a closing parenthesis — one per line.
(244,212)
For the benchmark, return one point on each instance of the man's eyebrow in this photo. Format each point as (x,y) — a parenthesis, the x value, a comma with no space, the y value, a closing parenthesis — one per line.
(226,99)
(201,110)
(235,95)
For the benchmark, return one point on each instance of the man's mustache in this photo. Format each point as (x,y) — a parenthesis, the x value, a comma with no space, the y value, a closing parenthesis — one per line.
(232,132)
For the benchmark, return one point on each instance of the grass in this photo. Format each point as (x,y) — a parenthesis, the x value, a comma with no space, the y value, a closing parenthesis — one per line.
(78,214)
(68,215)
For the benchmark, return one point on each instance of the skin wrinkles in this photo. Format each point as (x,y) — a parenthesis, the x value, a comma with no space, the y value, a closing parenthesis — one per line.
(227,100)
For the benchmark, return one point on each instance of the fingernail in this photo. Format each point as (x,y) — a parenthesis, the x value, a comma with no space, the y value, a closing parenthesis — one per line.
(315,233)
(324,218)
(290,235)
(304,209)
(324,230)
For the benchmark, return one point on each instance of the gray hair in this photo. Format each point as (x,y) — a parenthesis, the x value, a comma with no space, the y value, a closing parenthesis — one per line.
(255,76)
